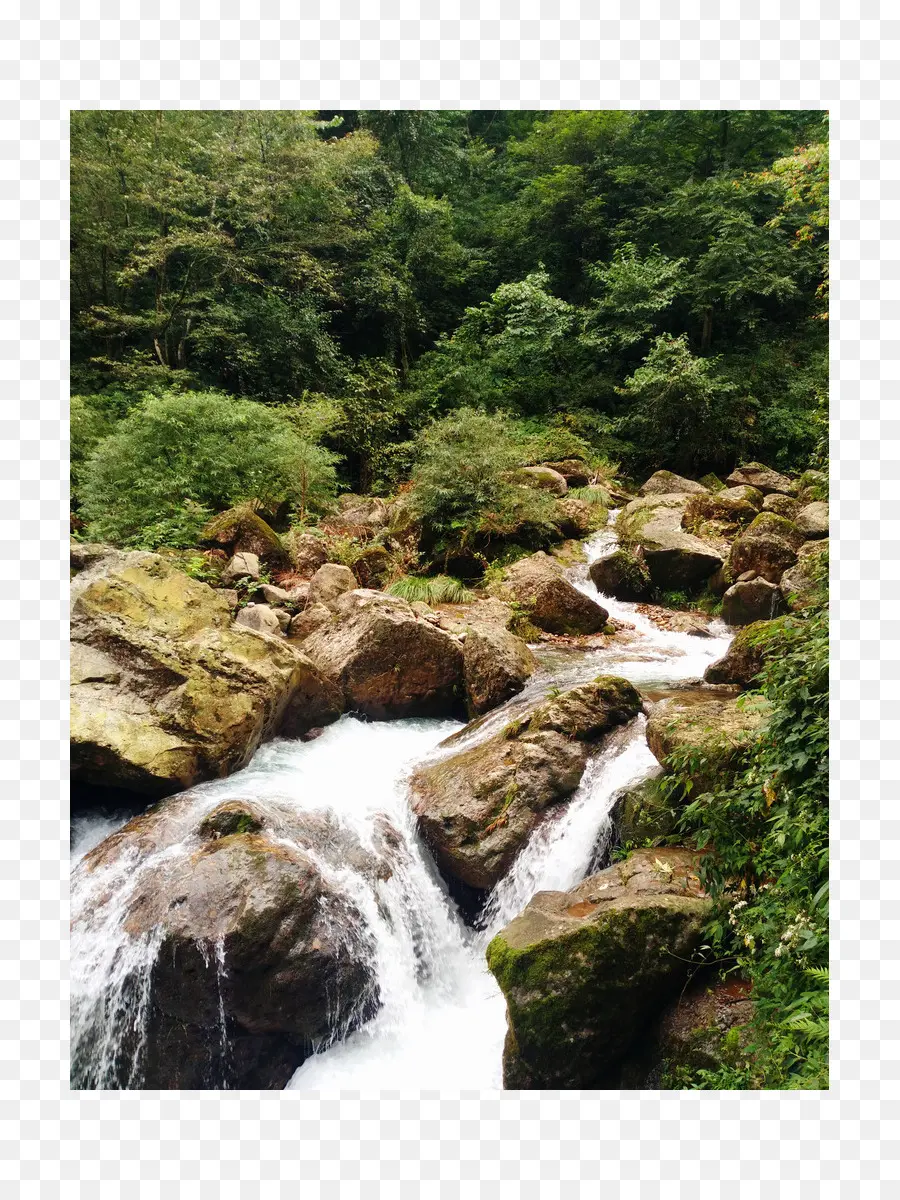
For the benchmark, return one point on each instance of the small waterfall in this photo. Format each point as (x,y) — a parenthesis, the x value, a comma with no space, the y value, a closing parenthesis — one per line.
(440,1020)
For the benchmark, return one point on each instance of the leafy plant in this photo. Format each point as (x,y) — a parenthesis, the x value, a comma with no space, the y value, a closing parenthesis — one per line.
(434,589)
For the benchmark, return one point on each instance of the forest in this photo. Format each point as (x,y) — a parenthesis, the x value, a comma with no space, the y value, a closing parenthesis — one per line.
(431,349)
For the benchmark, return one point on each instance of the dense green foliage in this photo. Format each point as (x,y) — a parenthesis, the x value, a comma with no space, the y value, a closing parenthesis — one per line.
(767,835)
(175,460)
(652,283)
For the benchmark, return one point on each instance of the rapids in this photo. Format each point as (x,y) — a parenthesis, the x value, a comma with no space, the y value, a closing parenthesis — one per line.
(441,1022)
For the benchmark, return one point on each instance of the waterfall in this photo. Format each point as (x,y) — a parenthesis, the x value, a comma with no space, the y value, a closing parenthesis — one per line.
(441,1018)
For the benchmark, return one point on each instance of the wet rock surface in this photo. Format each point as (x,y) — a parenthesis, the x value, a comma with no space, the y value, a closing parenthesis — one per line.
(585,971)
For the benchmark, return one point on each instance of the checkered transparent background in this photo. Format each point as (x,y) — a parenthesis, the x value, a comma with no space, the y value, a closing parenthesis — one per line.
(349,53)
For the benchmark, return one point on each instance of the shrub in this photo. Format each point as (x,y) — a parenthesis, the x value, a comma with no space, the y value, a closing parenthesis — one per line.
(435,589)
(177,456)
(767,833)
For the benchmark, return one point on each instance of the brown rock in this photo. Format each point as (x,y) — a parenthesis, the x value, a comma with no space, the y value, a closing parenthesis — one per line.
(755,600)
(329,583)
(761,477)
(496,666)
(539,586)
(478,807)
(666,483)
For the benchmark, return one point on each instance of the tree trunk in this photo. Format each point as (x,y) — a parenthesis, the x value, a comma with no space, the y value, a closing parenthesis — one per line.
(706,335)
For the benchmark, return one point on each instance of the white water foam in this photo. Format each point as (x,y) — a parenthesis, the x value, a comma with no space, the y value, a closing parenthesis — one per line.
(442,1018)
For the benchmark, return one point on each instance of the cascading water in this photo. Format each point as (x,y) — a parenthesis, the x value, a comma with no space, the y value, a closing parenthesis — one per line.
(441,1018)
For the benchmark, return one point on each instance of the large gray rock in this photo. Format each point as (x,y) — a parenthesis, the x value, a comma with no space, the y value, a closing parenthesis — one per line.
(665,483)
(307,551)
(166,691)
(259,617)
(330,582)
(261,952)
(313,617)
(386,661)
(744,658)
(763,478)
(708,740)
(583,972)
(478,807)
(812,521)
(752,600)
(539,586)
(242,566)
(674,557)
(496,666)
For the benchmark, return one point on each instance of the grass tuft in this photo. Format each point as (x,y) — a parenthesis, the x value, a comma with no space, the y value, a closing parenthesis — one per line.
(434,589)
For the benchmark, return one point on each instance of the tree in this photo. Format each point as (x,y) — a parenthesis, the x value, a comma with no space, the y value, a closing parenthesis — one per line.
(682,414)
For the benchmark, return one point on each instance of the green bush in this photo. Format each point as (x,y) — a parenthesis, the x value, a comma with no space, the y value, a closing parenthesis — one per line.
(767,866)
(462,489)
(177,459)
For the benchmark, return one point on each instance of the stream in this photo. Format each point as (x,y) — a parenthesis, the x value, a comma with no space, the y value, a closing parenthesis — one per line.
(441,1021)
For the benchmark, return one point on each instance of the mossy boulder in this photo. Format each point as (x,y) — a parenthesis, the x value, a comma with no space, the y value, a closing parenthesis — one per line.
(330,582)
(718,516)
(783,506)
(386,661)
(543,477)
(496,666)
(744,658)
(477,807)
(585,972)
(643,813)
(664,483)
(812,485)
(763,478)
(675,558)
(751,600)
(166,691)
(711,482)
(622,575)
(707,741)
(575,471)
(537,584)
(743,491)
(767,548)
(240,530)
(576,518)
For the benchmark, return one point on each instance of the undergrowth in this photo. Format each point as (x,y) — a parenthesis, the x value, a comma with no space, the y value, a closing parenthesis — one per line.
(433,589)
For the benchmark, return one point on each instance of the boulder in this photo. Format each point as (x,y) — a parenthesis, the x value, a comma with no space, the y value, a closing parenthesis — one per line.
(674,557)
(231,597)
(763,478)
(666,483)
(275,595)
(166,691)
(242,530)
(543,477)
(331,581)
(643,814)
(313,617)
(767,548)
(262,954)
(622,575)
(802,584)
(753,600)
(241,566)
(576,519)
(782,506)
(496,666)
(709,738)
(695,624)
(372,566)
(744,658)
(712,482)
(575,471)
(259,617)
(307,552)
(83,555)
(744,492)
(385,661)
(477,807)
(692,1034)
(812,520)
(718,516)
(584,972)
(539,586)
